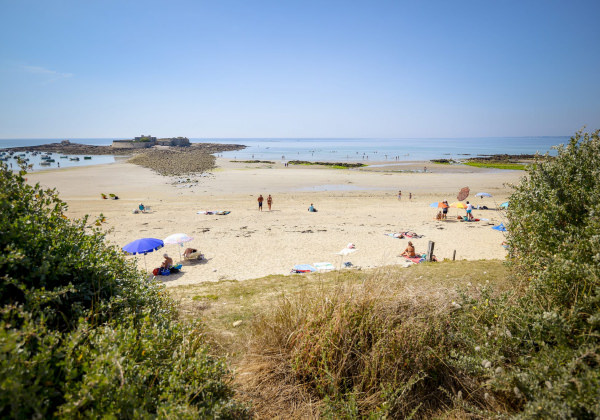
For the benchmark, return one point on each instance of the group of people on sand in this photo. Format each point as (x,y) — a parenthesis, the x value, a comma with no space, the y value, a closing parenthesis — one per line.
(261,199)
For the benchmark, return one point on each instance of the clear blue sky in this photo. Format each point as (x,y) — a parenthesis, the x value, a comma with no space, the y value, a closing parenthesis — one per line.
(221,68)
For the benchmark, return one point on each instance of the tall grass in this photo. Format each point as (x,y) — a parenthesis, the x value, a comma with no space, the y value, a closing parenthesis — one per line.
(378,348)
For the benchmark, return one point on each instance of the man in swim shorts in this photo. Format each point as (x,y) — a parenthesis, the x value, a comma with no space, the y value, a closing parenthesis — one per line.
(469,211)
(260,201)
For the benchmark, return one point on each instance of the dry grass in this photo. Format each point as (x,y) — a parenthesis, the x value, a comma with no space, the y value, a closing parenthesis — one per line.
(305,339)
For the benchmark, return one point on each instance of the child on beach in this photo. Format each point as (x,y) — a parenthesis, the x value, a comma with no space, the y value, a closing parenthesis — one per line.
(469,211)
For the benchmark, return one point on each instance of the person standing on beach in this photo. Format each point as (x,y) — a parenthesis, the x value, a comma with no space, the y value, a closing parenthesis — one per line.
(269,201)
(400,195)
(260,201)
(469,211)
(410,196)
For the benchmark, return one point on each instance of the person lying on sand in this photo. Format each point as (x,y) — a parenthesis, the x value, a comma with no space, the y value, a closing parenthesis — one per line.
(188,252)
(409,251)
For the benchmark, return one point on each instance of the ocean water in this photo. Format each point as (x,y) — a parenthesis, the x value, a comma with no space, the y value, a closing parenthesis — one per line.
(330,150)
(392,150)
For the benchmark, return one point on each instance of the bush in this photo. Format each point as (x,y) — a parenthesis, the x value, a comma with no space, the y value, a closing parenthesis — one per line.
(542,348)
(83,333)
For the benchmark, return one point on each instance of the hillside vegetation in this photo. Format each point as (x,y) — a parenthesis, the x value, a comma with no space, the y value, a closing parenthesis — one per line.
(83,333)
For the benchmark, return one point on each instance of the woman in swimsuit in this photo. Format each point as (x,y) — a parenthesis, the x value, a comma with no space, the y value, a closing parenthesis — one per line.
(409,251)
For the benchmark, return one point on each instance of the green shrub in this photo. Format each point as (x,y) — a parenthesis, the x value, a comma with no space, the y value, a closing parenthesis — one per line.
(83,332)
(542,346)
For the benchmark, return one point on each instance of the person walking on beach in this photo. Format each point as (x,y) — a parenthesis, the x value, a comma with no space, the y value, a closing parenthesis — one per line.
(269,201)
(260,201)
(410,196)
(400,195)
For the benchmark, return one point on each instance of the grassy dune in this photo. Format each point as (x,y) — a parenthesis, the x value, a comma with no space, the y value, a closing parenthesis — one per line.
(294,329)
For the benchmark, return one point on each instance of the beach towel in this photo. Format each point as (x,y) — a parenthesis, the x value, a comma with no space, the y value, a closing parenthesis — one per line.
(303,268)
(412,235)
(395,235)
(217,212)
(416,260)
(324,266)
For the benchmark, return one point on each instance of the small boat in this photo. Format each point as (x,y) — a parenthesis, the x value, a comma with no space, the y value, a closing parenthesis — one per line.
(87,157)
(50,160)
(45,163)
(64,157)
(74,158)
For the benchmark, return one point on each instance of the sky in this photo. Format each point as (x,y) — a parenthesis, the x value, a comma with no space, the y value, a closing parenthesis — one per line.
(298,69)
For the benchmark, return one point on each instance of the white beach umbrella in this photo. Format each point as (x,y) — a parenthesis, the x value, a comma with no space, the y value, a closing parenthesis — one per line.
(483,194)
(350,249)
(178,238)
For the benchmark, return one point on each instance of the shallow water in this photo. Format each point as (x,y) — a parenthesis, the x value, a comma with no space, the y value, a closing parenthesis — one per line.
(338,187)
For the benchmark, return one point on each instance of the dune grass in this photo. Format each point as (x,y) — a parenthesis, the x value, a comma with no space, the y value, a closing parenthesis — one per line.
(338,343)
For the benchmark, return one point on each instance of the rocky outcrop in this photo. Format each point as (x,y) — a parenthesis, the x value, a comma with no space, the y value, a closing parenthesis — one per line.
(68,148)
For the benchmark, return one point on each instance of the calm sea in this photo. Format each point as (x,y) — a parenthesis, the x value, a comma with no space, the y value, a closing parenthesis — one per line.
(338,150)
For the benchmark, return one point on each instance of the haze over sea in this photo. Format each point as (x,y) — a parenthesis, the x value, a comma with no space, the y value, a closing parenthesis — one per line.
(343,149)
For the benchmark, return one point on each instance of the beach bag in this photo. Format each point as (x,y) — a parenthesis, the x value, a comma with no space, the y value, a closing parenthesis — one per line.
(156,271)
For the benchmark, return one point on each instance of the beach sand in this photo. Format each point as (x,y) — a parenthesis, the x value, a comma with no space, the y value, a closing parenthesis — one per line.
(357,206)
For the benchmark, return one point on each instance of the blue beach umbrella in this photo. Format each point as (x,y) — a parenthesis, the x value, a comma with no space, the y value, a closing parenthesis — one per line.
(500,227)
(504,205)
(143,246)
(483,194)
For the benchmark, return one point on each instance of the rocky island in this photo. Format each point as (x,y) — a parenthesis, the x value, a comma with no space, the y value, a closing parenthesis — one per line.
(128,147)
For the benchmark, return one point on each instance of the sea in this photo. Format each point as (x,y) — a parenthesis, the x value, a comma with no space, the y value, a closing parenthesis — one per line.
(326,149)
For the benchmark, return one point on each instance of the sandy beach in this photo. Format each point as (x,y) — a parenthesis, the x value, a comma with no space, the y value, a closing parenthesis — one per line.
(358,206)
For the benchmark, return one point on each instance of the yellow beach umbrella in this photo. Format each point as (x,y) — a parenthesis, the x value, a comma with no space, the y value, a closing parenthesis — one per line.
(458,205)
